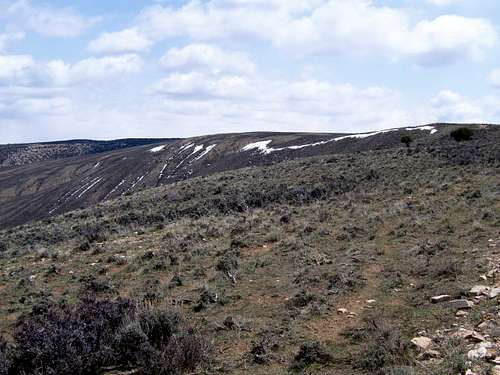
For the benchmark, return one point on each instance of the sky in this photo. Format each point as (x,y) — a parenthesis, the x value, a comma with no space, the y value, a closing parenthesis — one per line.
(178,68)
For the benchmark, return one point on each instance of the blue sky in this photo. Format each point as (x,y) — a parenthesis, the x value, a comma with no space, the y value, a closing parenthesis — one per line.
(175,68)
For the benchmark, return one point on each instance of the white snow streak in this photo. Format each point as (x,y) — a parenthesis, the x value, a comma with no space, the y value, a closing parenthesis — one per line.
(139,179)
(157,149)
(207,150)
(185,147)
(90,186)
(114,189)
(196,149)
(263,146)
(162,170)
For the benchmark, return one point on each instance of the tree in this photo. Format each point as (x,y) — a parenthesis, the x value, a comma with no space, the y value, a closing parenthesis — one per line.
(462,134)
(406,139)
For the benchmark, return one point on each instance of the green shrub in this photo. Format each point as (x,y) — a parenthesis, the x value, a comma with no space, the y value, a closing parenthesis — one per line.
(462,134)
(406,139)
(310,353)
(384,348)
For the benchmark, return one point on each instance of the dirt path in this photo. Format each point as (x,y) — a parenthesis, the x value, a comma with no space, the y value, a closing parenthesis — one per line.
(331,324)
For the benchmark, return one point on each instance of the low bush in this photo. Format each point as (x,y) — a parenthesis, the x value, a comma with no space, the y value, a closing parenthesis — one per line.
(406,139)
(97,334)
(92,233)
(345,282)
(310,353)
(384,349)
(4,364)
(462,134)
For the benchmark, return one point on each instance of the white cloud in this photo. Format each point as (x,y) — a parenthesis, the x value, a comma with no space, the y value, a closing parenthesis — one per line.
(255,103)
(128,40)
(7,38)
(93,68)
(314,26)
(208,58)
(45,20)
(495,78)
(449,38)
(18,68)
(23,70)
(27,107)
(443,2)
(198,85)
(30,89)
(449,106)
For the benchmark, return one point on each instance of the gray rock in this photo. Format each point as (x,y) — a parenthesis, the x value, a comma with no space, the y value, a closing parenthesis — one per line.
(459,304)
(478,290)
(441,298)
(494,293)
(422,342)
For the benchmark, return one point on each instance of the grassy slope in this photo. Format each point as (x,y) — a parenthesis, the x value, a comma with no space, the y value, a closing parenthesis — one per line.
(392,226)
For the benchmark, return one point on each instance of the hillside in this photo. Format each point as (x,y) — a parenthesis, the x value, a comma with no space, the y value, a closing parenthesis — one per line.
(22,154)
(284,253)
(40,190)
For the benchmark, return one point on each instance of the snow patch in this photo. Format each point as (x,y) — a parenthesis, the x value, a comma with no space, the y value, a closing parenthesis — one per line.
(196,149)
(162,170)
(114,189)
(95,182)
(263,146)
(139,179)
(185,147)
(157,149)
(207,150)
(432,129)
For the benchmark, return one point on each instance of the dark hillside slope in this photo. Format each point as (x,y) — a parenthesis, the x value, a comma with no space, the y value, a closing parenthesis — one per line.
(318,265)
(40,190)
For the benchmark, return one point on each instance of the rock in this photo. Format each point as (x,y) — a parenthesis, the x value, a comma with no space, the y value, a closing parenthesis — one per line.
(463,333)
(482,351)
(459,304)
(342,311)
(496,361)
(494,293)
(478,290)
(461,313)
(431,353)
(470,372)
(441,298)
(477,337)
(494,332)
(230,324)
(484,325)
(469,335)
(422,342)
(370,301)
(478,353)
(495,370)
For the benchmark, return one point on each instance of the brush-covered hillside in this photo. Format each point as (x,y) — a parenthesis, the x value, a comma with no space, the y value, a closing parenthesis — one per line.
(39,190)
(305,254)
